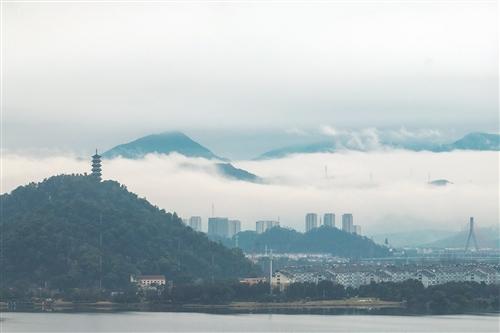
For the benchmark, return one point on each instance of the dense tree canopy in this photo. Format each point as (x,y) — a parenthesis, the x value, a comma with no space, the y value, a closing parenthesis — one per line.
(56,232)
(320,240)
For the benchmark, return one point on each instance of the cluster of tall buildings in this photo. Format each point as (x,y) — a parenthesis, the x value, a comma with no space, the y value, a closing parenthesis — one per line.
(195,223)
(226,228)
(263,226)
(223,227)
(329,220)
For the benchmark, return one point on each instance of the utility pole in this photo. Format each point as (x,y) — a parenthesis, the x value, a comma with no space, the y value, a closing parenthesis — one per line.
(100,253)
(212,269)
(179,255)
(271,272)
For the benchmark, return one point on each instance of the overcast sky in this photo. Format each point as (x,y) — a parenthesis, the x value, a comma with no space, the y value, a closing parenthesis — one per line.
(79,75)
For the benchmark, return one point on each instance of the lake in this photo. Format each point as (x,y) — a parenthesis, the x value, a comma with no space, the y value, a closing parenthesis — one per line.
(201,322)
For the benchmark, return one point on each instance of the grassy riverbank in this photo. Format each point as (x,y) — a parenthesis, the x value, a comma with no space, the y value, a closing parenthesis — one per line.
(63,306)
(320,304)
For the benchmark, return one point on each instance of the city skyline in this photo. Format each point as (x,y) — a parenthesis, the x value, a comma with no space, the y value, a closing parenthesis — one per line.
(196,223)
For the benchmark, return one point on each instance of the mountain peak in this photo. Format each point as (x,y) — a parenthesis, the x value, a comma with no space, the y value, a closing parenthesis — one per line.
(478,141)
(161,143)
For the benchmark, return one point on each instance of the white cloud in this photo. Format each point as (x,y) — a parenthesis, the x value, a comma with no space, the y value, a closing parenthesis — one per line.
(372,186)
(328,130)
(296,131)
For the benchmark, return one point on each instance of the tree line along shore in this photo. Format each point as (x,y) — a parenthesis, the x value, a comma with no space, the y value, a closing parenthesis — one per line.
(449,298)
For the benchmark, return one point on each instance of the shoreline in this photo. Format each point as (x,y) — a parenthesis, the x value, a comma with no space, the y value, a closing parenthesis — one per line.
(363,306)
(106,306)
(320,304)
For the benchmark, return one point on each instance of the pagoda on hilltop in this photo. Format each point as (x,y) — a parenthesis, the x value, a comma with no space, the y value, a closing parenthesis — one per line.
(96,166)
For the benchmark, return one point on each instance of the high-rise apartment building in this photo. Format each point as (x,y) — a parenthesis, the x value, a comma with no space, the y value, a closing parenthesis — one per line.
(357,230)
(234,226)
(263,226)
(195,223)
(218,226)
(347,223)
(329,219)
(311,221)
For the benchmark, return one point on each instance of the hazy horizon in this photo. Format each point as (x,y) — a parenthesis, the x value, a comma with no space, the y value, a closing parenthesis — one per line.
(386,188)
(81,75)
(245,77)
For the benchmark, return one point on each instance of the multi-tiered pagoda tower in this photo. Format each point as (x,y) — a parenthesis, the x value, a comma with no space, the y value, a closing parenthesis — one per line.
(96,166)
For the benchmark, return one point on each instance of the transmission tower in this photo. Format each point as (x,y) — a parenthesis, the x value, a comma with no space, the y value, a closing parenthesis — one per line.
(471,235)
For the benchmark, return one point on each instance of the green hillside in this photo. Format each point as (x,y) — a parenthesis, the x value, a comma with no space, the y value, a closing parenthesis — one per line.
(163,143)
(320,240)
(51,236)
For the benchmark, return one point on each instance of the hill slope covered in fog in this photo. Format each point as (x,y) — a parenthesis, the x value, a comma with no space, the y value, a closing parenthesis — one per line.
(472,141)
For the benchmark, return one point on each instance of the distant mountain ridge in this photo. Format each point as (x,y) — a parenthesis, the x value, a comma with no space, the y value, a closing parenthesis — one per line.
(486,238)
(163,143)
(472,141)
(476,141)
(230,171)
(413,238)
(432,238)
(177,142)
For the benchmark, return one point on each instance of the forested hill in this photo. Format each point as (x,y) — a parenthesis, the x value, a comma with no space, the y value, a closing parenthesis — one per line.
(320,240)
(51,233)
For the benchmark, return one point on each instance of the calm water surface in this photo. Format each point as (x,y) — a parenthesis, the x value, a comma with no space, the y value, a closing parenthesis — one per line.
(199,322)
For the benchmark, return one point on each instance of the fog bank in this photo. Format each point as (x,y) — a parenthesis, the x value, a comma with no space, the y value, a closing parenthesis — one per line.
(382,189)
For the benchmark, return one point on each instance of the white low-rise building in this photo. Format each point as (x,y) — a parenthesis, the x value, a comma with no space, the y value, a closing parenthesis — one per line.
(149,281)
(281,280)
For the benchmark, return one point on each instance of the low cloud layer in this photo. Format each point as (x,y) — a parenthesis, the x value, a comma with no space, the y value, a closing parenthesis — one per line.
(386,190)
(372,138)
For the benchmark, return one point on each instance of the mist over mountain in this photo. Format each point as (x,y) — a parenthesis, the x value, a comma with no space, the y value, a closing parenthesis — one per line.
(394,183)
(177,142)
(375,140)
(476,141)
(230,171)
(412,238)
(486,238)
(163,143)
